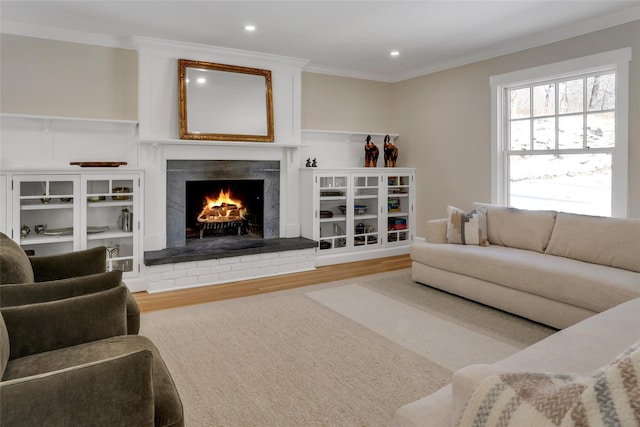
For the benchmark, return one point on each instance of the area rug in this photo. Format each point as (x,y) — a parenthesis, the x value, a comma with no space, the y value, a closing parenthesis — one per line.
(345,353)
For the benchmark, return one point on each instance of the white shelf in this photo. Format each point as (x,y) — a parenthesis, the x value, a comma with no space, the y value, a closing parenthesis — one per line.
(237,144)
(351,136)
(66,119)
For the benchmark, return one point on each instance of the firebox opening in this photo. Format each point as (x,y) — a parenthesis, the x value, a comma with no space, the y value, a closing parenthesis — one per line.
(224,208)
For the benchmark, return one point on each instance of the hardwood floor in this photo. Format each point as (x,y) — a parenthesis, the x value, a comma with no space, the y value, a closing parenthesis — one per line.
(159,301)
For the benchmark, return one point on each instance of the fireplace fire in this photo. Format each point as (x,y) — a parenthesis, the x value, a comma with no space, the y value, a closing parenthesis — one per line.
(222,212)
(226,207)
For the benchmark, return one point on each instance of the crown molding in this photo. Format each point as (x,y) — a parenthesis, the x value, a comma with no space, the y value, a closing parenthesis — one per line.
(58,34)
(582,28)
(139,42)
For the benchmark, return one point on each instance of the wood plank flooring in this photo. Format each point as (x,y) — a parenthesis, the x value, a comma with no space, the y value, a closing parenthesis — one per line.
(159,301)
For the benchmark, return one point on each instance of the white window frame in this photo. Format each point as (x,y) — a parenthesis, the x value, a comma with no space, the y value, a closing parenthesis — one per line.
(616,59)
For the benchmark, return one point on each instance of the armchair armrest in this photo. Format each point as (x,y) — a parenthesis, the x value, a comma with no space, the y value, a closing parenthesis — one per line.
(437,231)
(79,263)
(114,391)
(35,328)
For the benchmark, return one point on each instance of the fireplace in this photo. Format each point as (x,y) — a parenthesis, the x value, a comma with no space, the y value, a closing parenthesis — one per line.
(209,199)
(224,207)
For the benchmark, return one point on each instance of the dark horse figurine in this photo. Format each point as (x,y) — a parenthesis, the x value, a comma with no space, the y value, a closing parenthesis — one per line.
(390,153)
(371,153)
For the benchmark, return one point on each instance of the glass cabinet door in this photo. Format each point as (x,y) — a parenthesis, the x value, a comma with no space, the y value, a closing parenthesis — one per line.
(333,212)
(398,208)
(45,213)
(366,210)
(111,219)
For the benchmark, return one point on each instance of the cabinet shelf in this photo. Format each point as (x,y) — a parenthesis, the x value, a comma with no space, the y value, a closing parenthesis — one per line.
(110,235)
(335,218)
(109,203)
(40,239)
(364,216)
(45,206)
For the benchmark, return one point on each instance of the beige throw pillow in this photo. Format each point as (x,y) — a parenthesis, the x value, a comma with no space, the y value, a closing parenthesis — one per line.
(467,228)
(609,396)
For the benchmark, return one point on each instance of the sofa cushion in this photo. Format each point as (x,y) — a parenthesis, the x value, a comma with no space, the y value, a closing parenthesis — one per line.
(519,228)
(608,241)
(608,396)
(14,262)
(590,286)
(467,228)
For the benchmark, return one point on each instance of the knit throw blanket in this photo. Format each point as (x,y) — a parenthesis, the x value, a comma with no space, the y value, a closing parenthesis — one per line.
(608,397)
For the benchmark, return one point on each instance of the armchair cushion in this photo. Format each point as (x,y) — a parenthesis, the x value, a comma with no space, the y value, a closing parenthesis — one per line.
(168,406)
(46,326)
(31,293)
(70,264)
(14,262)
(112,391)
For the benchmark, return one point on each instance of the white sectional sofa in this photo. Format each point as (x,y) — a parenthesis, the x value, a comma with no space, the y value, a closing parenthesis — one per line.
(577,273)
(552,267)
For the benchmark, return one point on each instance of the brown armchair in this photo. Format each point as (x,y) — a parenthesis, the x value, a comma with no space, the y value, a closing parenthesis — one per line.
(65,271)
(70,362)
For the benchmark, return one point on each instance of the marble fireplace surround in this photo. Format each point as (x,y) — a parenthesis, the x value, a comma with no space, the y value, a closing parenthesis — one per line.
(181,250)
(181,171)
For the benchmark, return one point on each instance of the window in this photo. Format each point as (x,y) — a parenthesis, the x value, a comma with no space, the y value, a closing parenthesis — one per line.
(560,136)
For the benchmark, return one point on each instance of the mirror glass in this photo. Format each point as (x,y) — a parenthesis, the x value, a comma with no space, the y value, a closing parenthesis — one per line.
(224,102)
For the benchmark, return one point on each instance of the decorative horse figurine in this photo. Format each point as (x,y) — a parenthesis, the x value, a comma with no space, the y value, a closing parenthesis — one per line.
(371,153)
(390,153)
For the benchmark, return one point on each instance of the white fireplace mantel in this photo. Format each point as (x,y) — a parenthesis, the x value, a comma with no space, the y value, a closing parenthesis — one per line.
(158,130)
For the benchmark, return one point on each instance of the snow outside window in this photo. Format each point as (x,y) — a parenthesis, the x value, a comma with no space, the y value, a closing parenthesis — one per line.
(560,136)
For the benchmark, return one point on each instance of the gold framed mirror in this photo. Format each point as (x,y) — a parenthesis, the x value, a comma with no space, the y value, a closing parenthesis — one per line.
(224,102)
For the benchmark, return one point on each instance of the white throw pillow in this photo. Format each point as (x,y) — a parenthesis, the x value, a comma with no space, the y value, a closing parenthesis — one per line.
(467,228)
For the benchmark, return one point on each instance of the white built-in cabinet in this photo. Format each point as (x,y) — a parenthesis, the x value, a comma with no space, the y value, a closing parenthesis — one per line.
(357,213)
(52,212)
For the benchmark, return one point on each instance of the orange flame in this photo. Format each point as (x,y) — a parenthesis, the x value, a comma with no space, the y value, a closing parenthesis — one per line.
(216,208)
(223,197)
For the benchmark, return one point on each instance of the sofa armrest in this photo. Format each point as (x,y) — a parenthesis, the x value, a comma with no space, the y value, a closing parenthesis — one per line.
(466,380)
(437,231)
(71,264)
(35,328)
(114,391)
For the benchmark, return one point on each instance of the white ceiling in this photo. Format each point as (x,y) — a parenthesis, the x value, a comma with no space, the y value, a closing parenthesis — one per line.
(350,38)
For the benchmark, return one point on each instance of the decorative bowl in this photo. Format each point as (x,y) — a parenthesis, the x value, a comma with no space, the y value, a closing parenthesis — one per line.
(120,190)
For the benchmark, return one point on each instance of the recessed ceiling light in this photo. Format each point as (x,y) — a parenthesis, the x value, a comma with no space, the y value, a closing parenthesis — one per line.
(394,53)
(250,27)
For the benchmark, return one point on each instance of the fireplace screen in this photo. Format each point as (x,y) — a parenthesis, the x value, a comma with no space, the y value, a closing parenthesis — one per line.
(224,207)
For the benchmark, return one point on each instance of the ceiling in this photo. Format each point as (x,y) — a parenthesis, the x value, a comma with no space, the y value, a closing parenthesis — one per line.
(350,38)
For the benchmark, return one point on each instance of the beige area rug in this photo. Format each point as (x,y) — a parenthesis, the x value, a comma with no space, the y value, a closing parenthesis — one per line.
(345,353)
